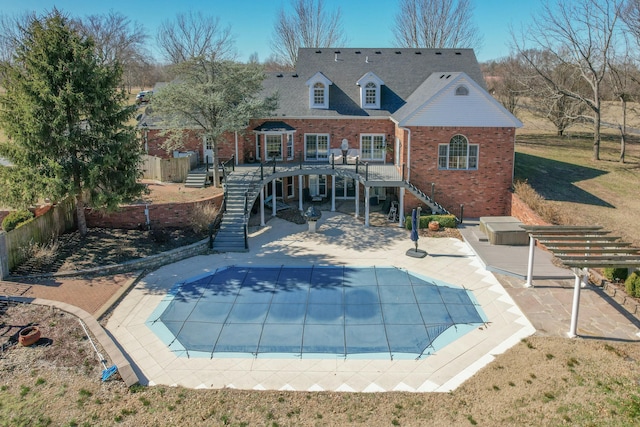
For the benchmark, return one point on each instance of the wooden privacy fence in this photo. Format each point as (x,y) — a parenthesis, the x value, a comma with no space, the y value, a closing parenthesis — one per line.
(14,245)
(168,170)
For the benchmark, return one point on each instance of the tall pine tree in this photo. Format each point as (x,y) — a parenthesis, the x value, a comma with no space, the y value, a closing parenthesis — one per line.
(66,122)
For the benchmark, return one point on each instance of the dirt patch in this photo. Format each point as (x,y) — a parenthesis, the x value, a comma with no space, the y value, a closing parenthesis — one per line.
(540,381)
(102,246)
(168,192)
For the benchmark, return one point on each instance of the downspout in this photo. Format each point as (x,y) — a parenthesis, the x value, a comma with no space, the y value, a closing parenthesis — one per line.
(408,152)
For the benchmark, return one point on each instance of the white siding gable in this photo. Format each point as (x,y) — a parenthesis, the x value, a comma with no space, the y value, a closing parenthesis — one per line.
(445,108)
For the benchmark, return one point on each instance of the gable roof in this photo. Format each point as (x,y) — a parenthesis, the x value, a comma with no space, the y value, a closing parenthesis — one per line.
(435,103)
(402,70)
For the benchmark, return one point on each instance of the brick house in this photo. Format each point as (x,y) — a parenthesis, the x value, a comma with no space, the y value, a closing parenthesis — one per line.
(424,112)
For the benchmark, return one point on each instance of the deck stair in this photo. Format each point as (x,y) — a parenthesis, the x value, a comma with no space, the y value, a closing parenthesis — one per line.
(240,186)
(196,179)
(436,208)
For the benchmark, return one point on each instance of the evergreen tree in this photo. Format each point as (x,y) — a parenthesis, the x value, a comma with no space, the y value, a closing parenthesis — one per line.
(66,122)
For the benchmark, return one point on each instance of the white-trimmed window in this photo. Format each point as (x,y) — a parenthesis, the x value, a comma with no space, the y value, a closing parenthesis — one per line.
(372,147)
(258,147)
(458,154)
(274,146)
(317,185)
(316,147)
(370,94)
(370,89)
(289,146)
(319,91)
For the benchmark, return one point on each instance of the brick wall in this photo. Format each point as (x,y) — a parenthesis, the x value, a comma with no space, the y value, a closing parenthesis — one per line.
(161,215)
(483,192)
(523,212)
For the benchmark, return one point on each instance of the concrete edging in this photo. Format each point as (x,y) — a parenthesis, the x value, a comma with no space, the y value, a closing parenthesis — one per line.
(117,357)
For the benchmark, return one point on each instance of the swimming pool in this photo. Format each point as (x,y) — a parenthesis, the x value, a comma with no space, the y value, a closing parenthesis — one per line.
(313,312)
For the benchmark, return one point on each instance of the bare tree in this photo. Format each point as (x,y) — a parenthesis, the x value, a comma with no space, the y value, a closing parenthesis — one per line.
(194,35)
(11,33)
(624,79)
(309,25)
(579,33)
(436,24)
(117,39)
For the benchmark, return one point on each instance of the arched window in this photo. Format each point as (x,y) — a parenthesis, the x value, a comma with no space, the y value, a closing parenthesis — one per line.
(458,154)
(371,94)
(462,90)
(318,94)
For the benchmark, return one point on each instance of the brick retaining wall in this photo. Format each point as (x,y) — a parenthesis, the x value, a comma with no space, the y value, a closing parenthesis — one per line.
(161,215)
(524,213)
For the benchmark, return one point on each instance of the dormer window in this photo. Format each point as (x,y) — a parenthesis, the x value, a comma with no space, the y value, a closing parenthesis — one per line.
(370,94)
(462,90)
(319,91)
(370,90)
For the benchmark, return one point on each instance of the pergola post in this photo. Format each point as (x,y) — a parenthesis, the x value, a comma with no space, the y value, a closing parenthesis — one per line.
(576,304)
(333,193)
(357,200)
(401,208)
(300,193)
(262,223)
(366,206)
(274,208)
(532,246)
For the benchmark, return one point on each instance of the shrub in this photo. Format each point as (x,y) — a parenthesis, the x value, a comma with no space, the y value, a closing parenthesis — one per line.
(16,219)
(632,284)
(537,203)
(201,216)
(614,274)
(445,221)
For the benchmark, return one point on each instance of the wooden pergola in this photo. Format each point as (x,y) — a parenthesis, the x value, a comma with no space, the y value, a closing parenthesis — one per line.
(580,248)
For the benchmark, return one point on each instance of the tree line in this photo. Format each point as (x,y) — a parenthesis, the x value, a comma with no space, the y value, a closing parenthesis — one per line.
(574,56)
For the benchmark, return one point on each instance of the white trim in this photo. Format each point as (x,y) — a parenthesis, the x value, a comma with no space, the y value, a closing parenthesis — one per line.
(370,79)
(316,159)
(319,78)
(373,135)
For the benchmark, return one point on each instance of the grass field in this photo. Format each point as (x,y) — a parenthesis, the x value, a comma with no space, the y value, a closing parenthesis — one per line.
(584,191)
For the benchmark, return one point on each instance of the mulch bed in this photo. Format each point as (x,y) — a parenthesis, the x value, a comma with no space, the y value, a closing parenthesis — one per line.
(102,246)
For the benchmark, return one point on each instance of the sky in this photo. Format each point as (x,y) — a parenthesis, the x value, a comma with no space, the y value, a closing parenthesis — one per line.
(367,23)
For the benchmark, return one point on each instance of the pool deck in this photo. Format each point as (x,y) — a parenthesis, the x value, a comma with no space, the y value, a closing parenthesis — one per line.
(343,241)
(340,240)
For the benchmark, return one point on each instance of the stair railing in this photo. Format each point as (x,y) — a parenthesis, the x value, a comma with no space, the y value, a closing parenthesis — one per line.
(430,199)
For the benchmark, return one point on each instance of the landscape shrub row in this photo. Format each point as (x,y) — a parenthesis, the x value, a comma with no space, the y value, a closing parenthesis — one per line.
(16,219)
(445,221)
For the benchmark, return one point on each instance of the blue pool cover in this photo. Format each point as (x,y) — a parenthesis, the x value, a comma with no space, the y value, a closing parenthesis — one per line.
(370,312)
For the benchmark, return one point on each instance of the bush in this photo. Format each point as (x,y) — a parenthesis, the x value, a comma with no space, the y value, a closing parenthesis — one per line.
(632,284)
(615,274)
(537,203)
(445,221)
(16,219)
(201,216)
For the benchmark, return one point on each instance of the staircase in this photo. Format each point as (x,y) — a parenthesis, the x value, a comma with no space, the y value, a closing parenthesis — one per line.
(231,235)
(436,208)
(196,179)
